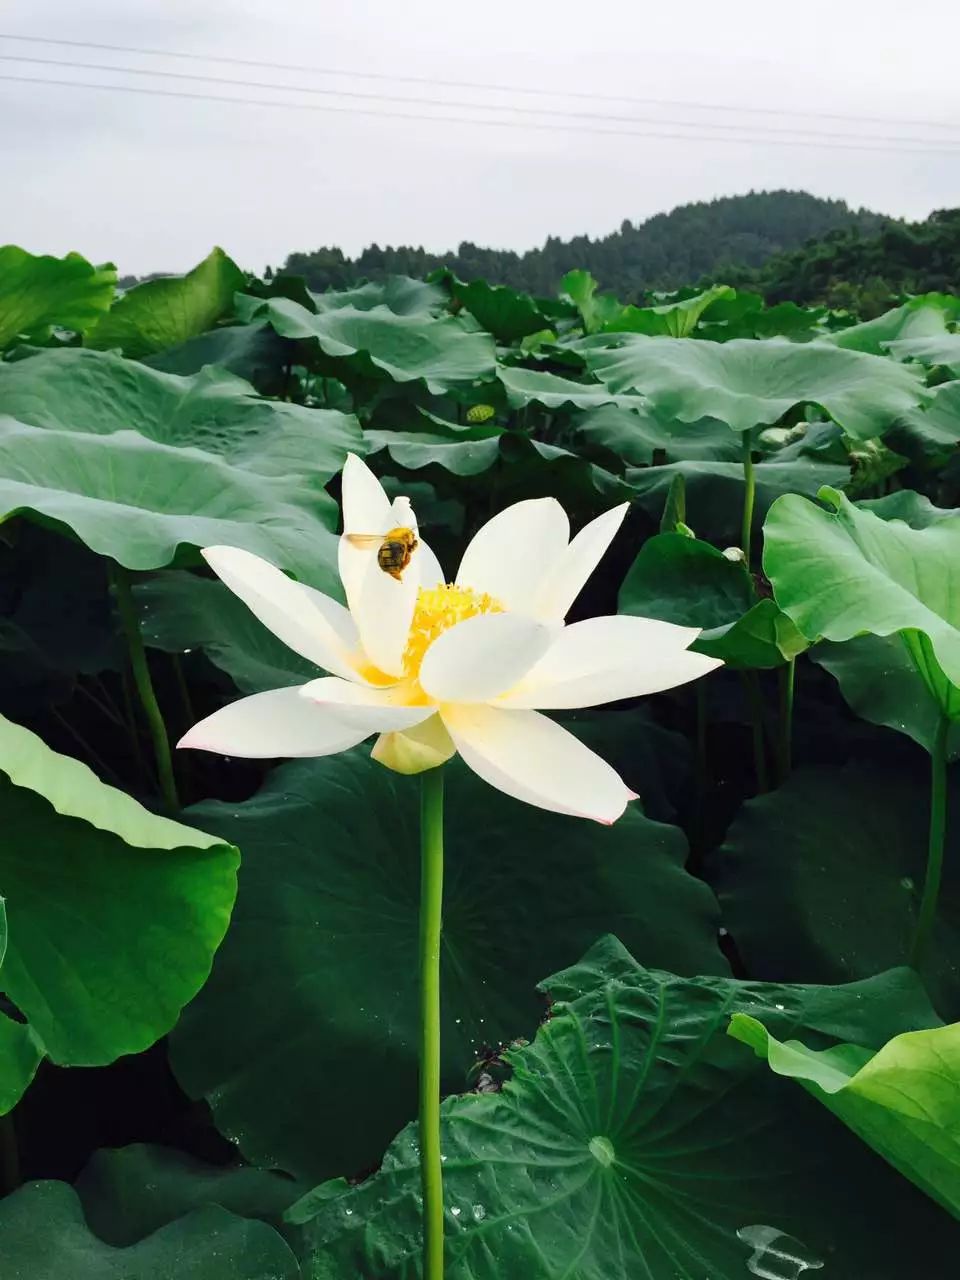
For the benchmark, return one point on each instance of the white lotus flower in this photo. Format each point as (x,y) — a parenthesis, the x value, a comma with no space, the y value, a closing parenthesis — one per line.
(437,668)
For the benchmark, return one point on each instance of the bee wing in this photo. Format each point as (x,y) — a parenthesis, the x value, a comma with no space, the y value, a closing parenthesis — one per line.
(366,541)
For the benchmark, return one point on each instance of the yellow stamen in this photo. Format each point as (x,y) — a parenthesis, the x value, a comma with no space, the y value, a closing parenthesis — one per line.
(438,609)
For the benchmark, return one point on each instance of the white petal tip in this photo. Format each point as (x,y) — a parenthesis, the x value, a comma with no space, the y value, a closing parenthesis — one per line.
(218,549)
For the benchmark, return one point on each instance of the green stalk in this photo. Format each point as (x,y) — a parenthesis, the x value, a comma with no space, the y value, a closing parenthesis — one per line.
(431,919)
(787,683)
(938,823)
(749,493)
(141,678)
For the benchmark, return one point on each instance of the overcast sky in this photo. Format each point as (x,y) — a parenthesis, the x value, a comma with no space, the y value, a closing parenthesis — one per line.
(152,182)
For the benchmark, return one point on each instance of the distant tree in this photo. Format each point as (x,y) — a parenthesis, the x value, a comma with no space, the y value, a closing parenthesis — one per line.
(865,271)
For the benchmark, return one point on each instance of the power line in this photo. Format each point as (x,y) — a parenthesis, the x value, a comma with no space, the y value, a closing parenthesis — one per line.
(450,119)
(773,131)
(536,91)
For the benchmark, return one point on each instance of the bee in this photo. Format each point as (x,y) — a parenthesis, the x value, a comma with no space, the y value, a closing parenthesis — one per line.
(394,549)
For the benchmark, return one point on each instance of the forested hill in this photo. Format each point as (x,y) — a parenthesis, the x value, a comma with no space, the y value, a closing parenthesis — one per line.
(865,273)
(665,252)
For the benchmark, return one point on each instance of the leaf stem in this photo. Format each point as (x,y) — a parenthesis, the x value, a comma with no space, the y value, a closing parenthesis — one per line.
(144,683)
(787,686)
(431,918)
(749,493)
(938,823)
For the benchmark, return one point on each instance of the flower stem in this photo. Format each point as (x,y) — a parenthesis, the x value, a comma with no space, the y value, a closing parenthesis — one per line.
(431,917)
(749,492)
(141,678)
(787,683)
(938,822)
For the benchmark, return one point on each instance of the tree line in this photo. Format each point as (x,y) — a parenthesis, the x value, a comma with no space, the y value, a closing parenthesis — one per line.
(736,234)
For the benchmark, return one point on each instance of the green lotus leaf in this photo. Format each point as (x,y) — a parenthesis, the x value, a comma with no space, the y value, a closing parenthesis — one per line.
(533,469)
(432,423)
(163,313)
(253,352)
(745,316)
(671,319)
(938,349)
(500,310)
(143,466)
(39,291)
(881,683)
(413,450)
(378,343)
(45,1237)
(113,913)
(715,489)
(674,518)
(931,436)
(925,316)
(20,1050)
(820,881)
(402,295)
(130,1192)
(820,440)
(639,438)
(844,572)
(903,1100)
(749,384)
(914,509)
(636,1139)
(311,1012)
(533,386)
(580,288)
(534,343)
(683,580)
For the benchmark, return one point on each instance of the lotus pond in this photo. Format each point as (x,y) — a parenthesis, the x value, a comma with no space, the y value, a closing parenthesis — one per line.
(635,839)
